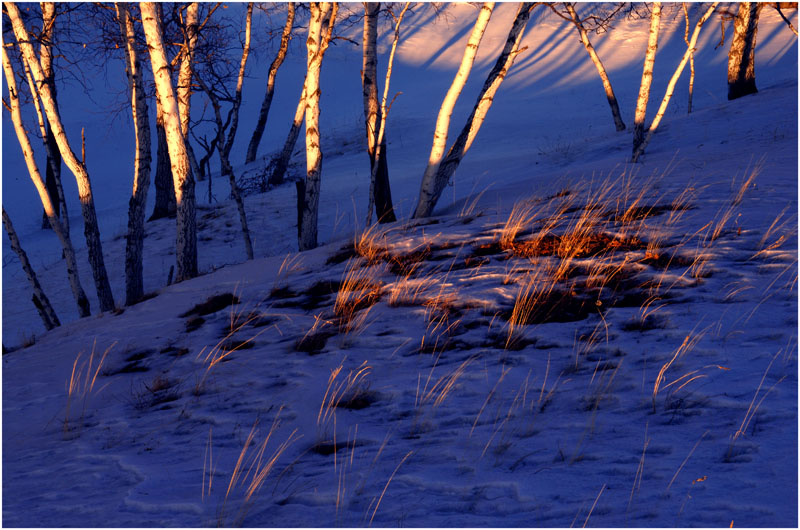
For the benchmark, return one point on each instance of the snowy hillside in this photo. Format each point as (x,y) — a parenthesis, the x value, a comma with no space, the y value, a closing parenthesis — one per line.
(572,340)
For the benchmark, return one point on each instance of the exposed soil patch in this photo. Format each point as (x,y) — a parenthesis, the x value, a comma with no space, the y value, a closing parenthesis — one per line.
(575,247)
(194,324)
(212,305)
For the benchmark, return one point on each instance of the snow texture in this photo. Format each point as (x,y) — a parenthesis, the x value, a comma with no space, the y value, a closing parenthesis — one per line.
(384,378)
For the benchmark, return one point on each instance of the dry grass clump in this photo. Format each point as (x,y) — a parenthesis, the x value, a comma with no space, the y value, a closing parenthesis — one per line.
(81,382)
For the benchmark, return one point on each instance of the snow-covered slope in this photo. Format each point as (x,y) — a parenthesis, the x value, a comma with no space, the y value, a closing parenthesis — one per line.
(629,358)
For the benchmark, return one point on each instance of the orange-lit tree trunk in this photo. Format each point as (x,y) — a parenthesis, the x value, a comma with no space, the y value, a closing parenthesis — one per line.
(322,14)
(673,81)
(431,188)
(38,182)
(78,168)
(647,77)
(53,168)
(134,281)
(186,238)
(485,98)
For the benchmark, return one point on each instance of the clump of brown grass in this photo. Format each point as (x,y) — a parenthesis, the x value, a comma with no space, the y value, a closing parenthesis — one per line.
(81,382)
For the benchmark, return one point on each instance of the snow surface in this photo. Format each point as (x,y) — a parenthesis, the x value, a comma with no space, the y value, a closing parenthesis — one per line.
(447,426)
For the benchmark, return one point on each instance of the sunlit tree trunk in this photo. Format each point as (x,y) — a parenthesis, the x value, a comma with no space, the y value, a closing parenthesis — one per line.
(252,147)
(53,168)
(224,145)
(134,281)
(77,167)
(485,98)
(27,152)
(741,58)
(647,77)
(673,81)
(184,87)
(186,239)
(40,299)
(380,194)
(430,189)
(612,99)
(321,13)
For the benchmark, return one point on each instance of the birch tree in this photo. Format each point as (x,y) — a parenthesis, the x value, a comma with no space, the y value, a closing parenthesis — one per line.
(27,151)
(380,194)
(484,102)
(134,281)
(673,81)
(164,188)
(40,300)
(186,230)
(322,14)
(691,57)
(53,167)
(741,57)
(78,168)
(263,114)
(580,25)
(431,188)
(225,143)
(647,77)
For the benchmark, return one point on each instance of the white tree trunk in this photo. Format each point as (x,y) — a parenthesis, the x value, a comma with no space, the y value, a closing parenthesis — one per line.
(184,87)
(610,96)
(673,81)
(77,167)
(134,280)
(40,299)
(484,102)
(380,196)
(38,182)
(53,170)
(186,239)
(427,192)
(317,43)
(258,132)
(647,77)
(691,58)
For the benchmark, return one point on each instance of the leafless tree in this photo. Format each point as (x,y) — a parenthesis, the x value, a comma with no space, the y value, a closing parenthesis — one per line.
(323,15)
(647,77)
(431,187)
(258,132)
(134,282)
(673,81)
(741,57)
(78,168)
(40,300)
(186,228)
(27,151)
(216,90)
(596,23)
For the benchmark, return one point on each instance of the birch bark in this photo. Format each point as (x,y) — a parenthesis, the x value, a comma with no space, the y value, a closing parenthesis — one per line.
(647,77)
(428,193)
(186,229)
(673,81)
(317,43)
(134,280)
(78,168)
(27,151)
